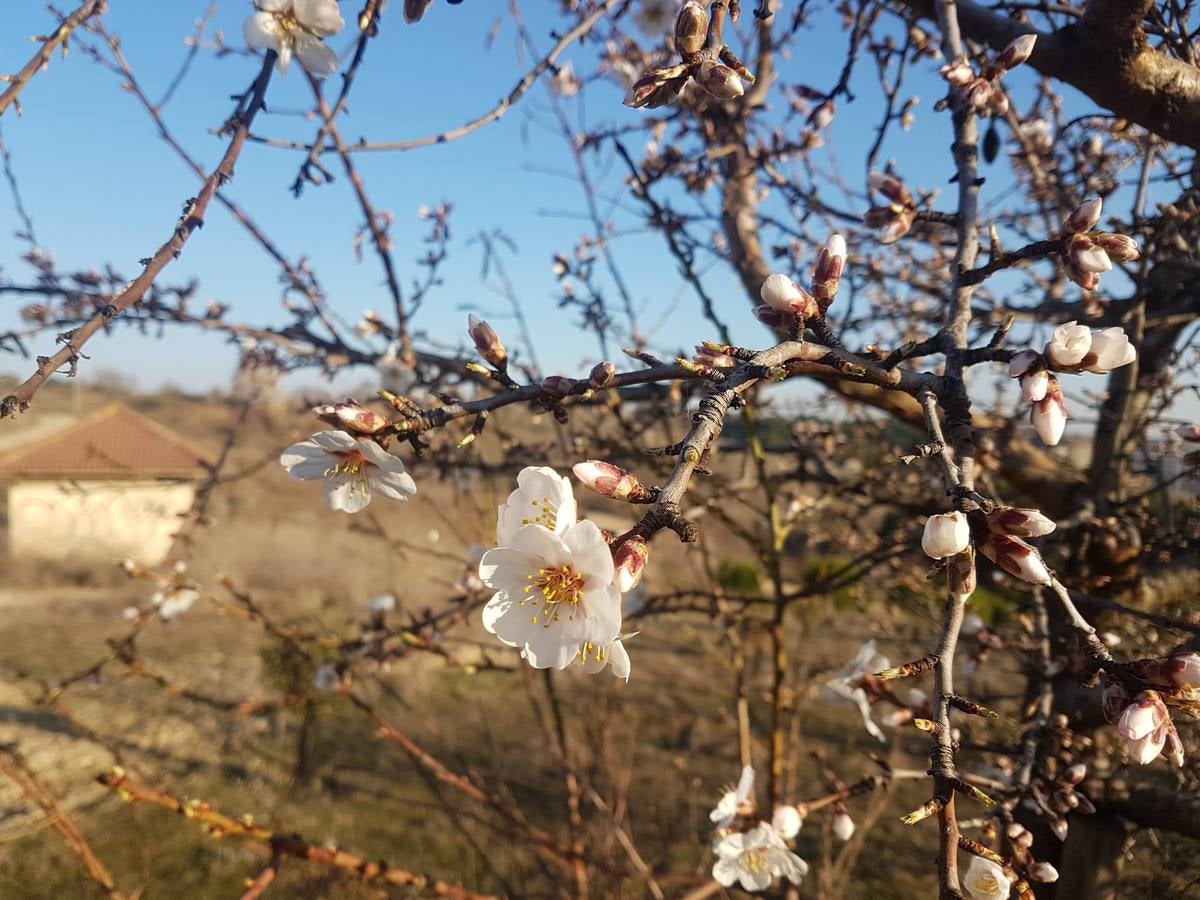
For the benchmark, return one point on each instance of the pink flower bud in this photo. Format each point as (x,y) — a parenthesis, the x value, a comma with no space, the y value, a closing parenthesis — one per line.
(1189,433)
(822,116)
(1184,669)
(1173,748)
(1049,415)
(891,187)
(957,74)
(602,375)
(1089,281)
(1035,385)
(977,93)
(946,534)
(719,80)
(654,89)
(691,27)
(608,480)
(843,825)
(355,417)
(630,561)
(1024,362)
(1085,216)
(487,342)
(1019,522)
(828,271)
(706,356)
(1111,349)
(962,578)
(1145,715)
(781,293)
(1042,872)
(1016,557)
(1086,255)
(1016,52)
(1119,247)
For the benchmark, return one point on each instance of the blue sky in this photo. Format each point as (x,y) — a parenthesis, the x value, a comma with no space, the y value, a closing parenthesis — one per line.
(102,188)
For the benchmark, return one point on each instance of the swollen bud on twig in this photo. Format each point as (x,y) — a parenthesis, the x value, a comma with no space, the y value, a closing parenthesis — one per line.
(487,342)
(1016,52)
(1016,557)
(558,385)
(1019,522)
(961,574)
(1042,872)
(630,561)
(602,375)
(771,317)
(946,534)
(1086,255)
(358,418)
(1119,247)
(828,272)
(719,80)
(610,481)
(781,293)
(657,87)
(691,28)
(1085,216)
(843,825)
(1049,415)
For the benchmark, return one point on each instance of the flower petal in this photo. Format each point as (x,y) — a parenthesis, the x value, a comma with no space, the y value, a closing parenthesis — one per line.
(344,492)
(316,58)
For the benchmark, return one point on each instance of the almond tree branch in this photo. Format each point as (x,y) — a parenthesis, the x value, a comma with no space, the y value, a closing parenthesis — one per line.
(41,59)
(193,217)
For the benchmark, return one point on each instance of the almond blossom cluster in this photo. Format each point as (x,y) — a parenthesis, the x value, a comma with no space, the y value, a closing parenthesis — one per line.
(1144,720)
(786,306)
(1087,253)
(753,852)
(1073,348)
(715,69)
(947,536)
(555,580)
(296,28)
(982,91)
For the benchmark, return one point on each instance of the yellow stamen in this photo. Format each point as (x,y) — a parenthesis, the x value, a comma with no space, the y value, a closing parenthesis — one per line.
(557,586)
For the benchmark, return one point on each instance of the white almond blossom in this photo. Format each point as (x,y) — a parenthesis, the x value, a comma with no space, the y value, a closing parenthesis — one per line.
(739,798)
(1070,344)
(353,469)
(543,497)
(296,27)
(1112,349)
(754,860)
(173,601)
(787,821)
(847,685)
(985,880)
(554,592)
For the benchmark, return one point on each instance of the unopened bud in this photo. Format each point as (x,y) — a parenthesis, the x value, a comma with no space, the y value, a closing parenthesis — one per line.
(822,116)
(1119,247)
(1059,827)
(771,317)
(1049,415)
(630,561)
(1089,281)
(356,417)
(1016,557)
(828,272)
(1086,255)
(558,385)
(891,187)
(1042,871)
(1085,216)
(719,80)
(609,481)
(1016,52)
(957,74)
(783,294)
(1020,835)
(843,825)
(602,375)
(961,573)
(1075,773)
(1019,522)
(691,27)
(487,342)
(414,9)
(656,88)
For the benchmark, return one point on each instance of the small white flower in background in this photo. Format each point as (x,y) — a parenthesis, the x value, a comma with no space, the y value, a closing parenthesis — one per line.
(296,27)
(554,592)
(612,656)
(173,601)
(384,603)
(543,497)
(787,821)
(353,470)
(131,613)
(985,880)
(739,799)
(946,534)
(1112,349)
(1070,344)
(847,685)
(754,860)
(1043,872)
(433,535)
(843,825)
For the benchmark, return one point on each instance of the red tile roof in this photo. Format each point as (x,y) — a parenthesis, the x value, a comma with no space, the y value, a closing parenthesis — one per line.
(115,442)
